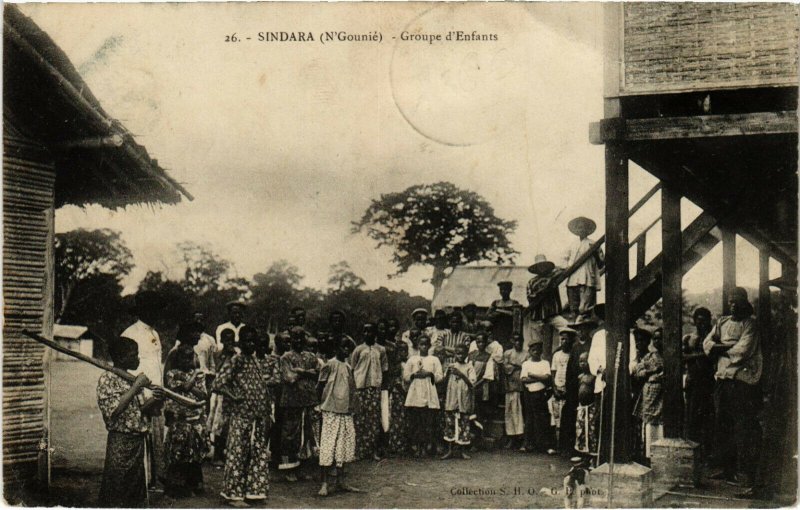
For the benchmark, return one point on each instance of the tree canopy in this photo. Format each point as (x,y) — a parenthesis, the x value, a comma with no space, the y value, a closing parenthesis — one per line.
(439,225)
(83,254)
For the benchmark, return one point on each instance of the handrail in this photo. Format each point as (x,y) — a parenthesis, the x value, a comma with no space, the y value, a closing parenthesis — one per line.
(555,282)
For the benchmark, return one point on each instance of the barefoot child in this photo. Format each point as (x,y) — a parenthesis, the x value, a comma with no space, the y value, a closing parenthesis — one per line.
(298,398)
(337,388)
(585,426)
(484,365)
(459,403)
(559,371)
(398,421)
(245,381)
(512,367)
(186,444)
(422,372)
(124,411)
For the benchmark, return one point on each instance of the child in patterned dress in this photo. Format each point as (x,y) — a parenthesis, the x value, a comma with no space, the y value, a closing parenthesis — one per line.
(459,403)
(186,444)
(124,411)
(337,390)
(245,381)
(217,423)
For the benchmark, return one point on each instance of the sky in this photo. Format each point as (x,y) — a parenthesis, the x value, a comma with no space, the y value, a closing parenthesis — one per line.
(283,145)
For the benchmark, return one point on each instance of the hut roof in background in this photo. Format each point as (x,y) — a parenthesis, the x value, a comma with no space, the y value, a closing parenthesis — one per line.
(478,284)
(70,332)
(46,101)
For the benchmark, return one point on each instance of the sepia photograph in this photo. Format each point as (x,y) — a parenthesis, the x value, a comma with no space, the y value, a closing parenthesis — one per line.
(400,254)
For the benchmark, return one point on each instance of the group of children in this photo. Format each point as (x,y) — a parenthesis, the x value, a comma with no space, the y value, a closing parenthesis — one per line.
(292,398)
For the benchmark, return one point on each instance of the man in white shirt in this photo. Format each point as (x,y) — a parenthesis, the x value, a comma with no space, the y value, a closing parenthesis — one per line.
(597,352)
(146,308)
(235,321)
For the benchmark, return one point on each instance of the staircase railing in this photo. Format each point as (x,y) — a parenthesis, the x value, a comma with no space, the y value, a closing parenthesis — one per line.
(561,277)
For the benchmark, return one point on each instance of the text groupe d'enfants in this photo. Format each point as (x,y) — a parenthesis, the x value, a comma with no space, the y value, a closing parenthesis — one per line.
(374,36)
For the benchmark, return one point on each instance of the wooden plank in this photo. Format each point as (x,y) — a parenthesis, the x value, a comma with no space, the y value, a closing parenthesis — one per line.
(617,312)
(728,267)
(671,286)
(705,126)
(698,126)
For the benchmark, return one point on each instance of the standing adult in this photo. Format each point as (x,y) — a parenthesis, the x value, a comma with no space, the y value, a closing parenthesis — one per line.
(543,319)
(699,383)
(235,322)
(584,283)
(501,313)
(471,324)
(735,346)
(146,308)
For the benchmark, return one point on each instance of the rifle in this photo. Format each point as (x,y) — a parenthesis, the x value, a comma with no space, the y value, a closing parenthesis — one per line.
(180,399)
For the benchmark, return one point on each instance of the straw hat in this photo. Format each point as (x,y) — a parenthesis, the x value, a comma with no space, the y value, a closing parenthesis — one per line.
(419,311)
(231,304)
(582,226)
(541,265)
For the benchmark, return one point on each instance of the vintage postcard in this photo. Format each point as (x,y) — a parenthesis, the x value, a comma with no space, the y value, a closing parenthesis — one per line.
(400,254)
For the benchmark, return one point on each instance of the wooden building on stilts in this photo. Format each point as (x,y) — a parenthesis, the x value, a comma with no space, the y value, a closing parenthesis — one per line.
(59,148)
(704,97)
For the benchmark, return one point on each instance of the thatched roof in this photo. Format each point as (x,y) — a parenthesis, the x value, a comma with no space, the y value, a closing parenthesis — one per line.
(478,284)
(47,101)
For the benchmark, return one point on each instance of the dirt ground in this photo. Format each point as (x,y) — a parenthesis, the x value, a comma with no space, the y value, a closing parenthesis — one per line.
(496,479)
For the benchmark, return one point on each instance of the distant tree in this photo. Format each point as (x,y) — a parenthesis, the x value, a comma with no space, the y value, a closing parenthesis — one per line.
(205,271)
(81,254)
(342,277)
(438,225)
(274,292)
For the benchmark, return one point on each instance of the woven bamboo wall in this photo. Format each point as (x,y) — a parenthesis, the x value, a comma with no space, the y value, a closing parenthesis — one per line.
(28,184)
(677,47)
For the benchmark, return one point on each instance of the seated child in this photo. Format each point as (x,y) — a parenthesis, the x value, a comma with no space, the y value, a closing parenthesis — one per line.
(125,412)
(186,444)
(337,394)
(575,483)
(245,382)
(459,403)
(585,426)
(422,372)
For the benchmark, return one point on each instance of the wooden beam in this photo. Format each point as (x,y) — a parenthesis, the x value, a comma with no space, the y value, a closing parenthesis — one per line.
(671,287)
(697,126)
(641,253)
(764,304)
(728,267)
(617,307)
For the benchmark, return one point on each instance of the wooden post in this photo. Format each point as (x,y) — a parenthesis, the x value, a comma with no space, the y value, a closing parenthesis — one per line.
(728,267)
(641,251)
(764,301)
(671,280)
(617,307)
